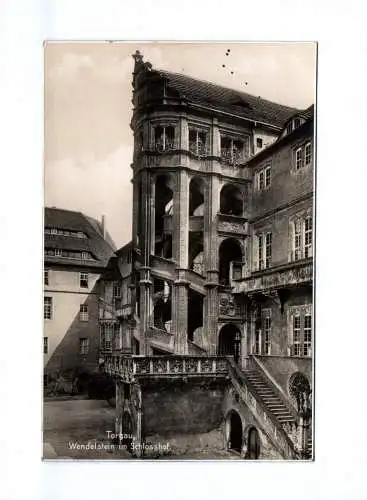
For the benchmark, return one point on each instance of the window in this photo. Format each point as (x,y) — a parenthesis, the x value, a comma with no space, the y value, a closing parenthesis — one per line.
(267,328)
(268,239)
(259,142)
(299,158)
(307,328)
(297,122)
(303,156)
(289,127)
(85,255)
(164,138)
(301,334)
(297,335)
(260,251)
(297,240)
(45,345)
(261,180)
(83,281)
(198,142)
(264,249)
(257,340)
(65,232)
(232,150)
(308,154)
(267,176)
(58,252)
(302,238)
(46,276)
(308,237)
(106,336)
(83,314)
(116,291)
(264,177)
(83,346)
(47,308)
(116,336)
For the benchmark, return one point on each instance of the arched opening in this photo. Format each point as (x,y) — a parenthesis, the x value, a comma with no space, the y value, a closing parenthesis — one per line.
(229,342)
(230,261)
(196,197)
(299,389)
(162,304)
(195,313)
(231,200)
(163,216)
(235,432)
(196,252)
(253,444)
(127,431)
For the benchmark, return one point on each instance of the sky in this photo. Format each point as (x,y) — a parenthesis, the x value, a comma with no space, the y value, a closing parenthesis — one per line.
(88,92)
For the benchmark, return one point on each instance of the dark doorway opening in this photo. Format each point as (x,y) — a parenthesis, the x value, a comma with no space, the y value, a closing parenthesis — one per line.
(235,436)
(127,431)
(253,445)
(229,342)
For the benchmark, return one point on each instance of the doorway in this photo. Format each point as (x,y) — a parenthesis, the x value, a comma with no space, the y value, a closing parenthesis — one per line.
(235,434)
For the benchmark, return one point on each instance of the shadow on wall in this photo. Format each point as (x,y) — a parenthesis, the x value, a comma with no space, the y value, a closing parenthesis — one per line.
(68,370)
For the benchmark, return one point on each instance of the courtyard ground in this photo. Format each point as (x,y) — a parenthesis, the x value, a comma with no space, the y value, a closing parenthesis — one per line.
(77,430)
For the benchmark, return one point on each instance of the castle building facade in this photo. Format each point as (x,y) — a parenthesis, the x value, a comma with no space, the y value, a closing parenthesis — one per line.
(216,284)
(76,253)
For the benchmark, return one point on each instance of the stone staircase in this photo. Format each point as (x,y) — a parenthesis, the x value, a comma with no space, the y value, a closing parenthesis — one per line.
(269,397)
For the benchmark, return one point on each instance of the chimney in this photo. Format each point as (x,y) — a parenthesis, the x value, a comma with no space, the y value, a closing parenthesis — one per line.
(103,226)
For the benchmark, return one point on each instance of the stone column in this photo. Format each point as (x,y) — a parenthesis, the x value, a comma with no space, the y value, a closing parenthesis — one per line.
(145,282)
(181,256)
(211,262)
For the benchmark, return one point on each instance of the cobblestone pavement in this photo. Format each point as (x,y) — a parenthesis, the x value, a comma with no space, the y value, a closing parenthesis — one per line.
(77,430)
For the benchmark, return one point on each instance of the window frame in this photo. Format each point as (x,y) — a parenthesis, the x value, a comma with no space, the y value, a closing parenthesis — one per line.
(48,306)
(268,245)
(307,155)
(81,279)
(46,277)
(298,160)
(45,345)
(83,346)
(83,313)
(267,334)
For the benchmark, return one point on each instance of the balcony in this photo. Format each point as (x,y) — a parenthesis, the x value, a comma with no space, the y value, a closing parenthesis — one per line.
(291,275)
(131,368)
(232,224)
(196,223)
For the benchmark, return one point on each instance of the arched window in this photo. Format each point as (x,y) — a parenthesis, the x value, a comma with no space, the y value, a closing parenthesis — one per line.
(253,444)
(231,200)
(230,261)
(229,342)
(196,194)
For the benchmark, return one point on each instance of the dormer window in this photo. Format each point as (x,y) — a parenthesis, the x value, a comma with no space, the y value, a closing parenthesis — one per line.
(164,138)
(198,142)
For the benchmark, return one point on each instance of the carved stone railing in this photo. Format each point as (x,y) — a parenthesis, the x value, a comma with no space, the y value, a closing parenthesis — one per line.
(272,279)
(123,310)
(164,268)
(267,420)
(130,368)
(232,224)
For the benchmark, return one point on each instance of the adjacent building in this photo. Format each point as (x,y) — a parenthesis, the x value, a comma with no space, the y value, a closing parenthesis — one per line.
(207,324)
(77,250)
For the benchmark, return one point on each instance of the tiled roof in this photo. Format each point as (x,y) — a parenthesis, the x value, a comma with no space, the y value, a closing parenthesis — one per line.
(228,100)
(101,249)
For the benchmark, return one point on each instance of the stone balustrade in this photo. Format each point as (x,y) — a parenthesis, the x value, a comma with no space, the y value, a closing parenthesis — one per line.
(132,367)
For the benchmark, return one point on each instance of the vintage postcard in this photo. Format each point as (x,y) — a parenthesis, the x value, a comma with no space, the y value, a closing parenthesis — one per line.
(179,251)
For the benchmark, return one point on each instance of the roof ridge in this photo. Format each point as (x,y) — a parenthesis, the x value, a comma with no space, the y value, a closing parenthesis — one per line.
(239,92)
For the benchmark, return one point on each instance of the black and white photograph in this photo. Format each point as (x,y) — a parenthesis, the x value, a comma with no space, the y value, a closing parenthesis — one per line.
(179,248)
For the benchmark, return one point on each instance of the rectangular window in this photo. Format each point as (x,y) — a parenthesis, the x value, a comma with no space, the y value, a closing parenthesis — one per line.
(197,142)
(259,142)
(45,345)
(106,336)
(307,335)
(297,335)
(267,176)
(46,276)
(257,340)
(267,329)
(308,237)
(268,239)
(308,154)
(58,252)
(297,240)
(260,251)
(299,158)
(116,336)
(164,138)
(261,180)
(116,291)
(83,280)
(83,346)
(83,314)
(47,308)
